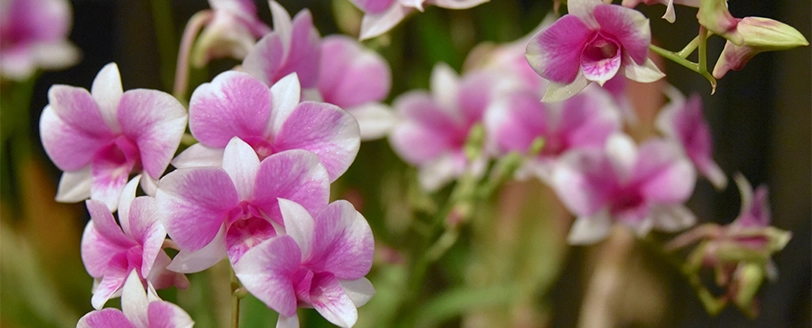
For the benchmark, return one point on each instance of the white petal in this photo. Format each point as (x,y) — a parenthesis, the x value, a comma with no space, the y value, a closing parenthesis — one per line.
(74,186)
(672,218)
(375,120)
(359,290)
(202,259)
(198,155)
(299,224)
(241,163)
(590,229)
(285,95)
(107,91)
(558,92)
(646,73)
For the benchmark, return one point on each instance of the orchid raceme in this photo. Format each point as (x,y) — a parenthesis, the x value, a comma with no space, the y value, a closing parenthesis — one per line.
(110,252)
(33,34)
(594,42)
(642,188)
(292,47)
(320,261)
(99,137)
(273,120)
(232,31)
(141,309)
(211,212)
(380,16)
(356,79)
(683,122)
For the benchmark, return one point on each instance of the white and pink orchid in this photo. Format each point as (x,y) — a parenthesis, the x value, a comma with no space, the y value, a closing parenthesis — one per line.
(99,137)
(110,251)
(320,261)
(141,309)
(270,120)
(642,188)
(380,16)
(211,212)
(594,42)
(33,34)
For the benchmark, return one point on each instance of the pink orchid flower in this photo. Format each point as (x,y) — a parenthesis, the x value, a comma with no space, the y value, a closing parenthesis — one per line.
(669,15)
(380,16)
(515,121)
(99,137)
(33,34)
(321,262)
(110,251)
(433,128)
(232,31)
(292,47)
(642,188)
(211,212)
(356,79)
(236,104)
(684,122)
(594,42)
(141,309)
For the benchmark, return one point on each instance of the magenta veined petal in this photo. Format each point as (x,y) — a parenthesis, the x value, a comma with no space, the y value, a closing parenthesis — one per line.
(628,26)
(303,53)
(667,176)
(600,59)
(296,175)
(555,52)
(265,59)
(513,122)
(105,318)
(342,242)
(350,74)
(373,6)
(331,301)
(267,271)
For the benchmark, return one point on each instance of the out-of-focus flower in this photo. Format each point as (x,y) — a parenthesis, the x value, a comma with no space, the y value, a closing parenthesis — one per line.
(594,42)
(321,262)
(236,104)
(231,32)
(211,212)
(515,121)
(683,122)
(380,16)
(99,137)
(141,309)
(641,188)
(356,79)
(33,34)
(111,252)
(669,15)
(433,128)
(292,47)
(758,35)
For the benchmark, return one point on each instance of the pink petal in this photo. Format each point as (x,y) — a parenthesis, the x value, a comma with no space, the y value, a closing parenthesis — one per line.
(373,25)
(513,122)
(295,175)
(584,9)
(233,104)
(324,129)
(581,179)
(373,6)
(74,186)
(587,120)
(195,261)
(146,230)
(350,74)
(359,290)
(155,121)
(72,128)
(134,301)
(193,203)
(629,26)
(299,225)
(267,271)
(475,93)
(110,170)
(98,250)
(241,163)
(286,94)
(555,52)
(667,177)
(330,300)
(104,319)
(244,234)
(160,277)
(600,59)
(124,202)
(426,125)
(163,314)
(265,59)
(303,51)
(342,242)
(107,91)
(110,286)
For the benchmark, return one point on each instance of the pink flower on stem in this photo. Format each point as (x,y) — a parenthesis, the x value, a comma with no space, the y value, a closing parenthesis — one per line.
(684,122)
(110,252)
(141,309)
(99,137)
(273,120)
(380,16)
(33,34)
(321,262)
(356,79)
(594,42)
(211,212)
(231,31)
(669,15)
(515,122)
(434,128)
(292,47)
(642,188)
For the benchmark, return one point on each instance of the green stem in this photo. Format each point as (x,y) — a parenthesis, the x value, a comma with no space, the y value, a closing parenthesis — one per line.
(689,48)
(165,35)
(687,63)
(236,294)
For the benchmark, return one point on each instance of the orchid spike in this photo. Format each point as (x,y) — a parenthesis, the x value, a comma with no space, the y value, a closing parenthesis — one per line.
(99,137)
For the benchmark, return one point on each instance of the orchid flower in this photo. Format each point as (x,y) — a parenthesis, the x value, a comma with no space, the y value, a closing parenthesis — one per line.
(33,34)
(321,262)
(356,79)
(683,122)
(380,16)
(669,15)
(642,188)
(211,212)
(110,252)
(594,42)
(232,31)
(434,128)
(273,120)
(292,47)
(515,121)
(141,309)
(99,137)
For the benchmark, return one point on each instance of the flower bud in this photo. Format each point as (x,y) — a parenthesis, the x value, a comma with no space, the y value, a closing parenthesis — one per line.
(758,35)
(715,17)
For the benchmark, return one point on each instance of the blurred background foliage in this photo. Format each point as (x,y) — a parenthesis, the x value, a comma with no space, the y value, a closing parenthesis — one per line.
(511,265)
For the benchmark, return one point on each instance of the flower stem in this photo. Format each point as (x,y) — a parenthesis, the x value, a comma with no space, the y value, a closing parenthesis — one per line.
(236,294)
(194,26)
(689,64)
(689,48)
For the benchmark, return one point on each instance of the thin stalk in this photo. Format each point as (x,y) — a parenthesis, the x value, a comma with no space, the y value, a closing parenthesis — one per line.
(670,55)
(236,295)
(165,35)
(193,27)
(689,48)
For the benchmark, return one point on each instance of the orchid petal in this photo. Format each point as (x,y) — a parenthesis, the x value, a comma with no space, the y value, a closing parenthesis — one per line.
(265,59)
(74,186)
(286,95)
(375,120)
(629,26)
(646,73)
(456,4)
(299,225)
(106,91)
(110,286)
(199,155)
(350,74)
(436,173)
(672,218)
(160,277)
(558,92)
(584,10)
(124,202)
(373,25)
(146,230)
(195,261)
(342,242)
(425,124)
(104,318)
(241,163)
(444,86)
(296,175)
(288,321)
(134,300)
(669,177)
(69,135)
(164,314)
(623,154)
(332,302)
(572,179)
(303,53)
(372,6)
(109,176)
(359,290)
(590,229)
(266,271)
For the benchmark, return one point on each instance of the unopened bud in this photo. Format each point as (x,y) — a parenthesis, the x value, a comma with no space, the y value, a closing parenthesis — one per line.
(715,17)
(768,34)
